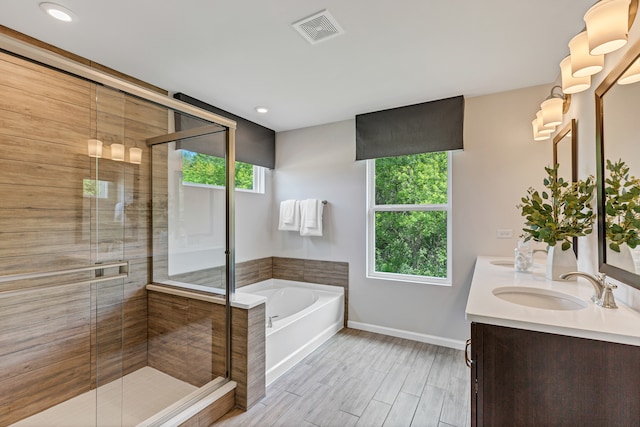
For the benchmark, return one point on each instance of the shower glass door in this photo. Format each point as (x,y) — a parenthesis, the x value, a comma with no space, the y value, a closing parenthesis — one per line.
(109,194)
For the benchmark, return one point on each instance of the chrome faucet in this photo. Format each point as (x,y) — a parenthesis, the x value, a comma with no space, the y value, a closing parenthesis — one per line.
(270,321)
(603,296)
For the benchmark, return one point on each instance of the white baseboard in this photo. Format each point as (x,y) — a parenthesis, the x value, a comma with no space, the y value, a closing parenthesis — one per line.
(415,336)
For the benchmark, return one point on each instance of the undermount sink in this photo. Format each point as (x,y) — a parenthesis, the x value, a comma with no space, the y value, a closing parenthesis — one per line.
(539,298)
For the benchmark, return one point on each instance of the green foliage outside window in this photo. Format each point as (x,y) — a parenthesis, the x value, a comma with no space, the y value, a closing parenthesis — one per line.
(410,241)
(200,168)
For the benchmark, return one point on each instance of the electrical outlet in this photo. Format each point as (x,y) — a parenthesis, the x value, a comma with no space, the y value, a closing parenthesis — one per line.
(504,233)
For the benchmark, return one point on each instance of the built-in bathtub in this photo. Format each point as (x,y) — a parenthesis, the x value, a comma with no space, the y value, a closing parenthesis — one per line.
(303,316)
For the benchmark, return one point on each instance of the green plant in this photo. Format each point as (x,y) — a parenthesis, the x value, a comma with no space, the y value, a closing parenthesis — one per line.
(560,212)
(622,206)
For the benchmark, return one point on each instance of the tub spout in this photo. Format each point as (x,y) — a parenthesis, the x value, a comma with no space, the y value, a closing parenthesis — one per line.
(270,321)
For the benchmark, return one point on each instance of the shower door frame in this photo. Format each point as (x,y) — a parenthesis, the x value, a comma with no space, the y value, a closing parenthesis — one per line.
(53,60)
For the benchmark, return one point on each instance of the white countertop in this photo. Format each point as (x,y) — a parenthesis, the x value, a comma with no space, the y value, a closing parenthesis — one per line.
(620,325)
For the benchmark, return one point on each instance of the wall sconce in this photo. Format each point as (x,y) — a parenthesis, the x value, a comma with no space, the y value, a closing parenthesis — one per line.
(571,84)
(135,155)
(582,62)
(541,128)
(554,107)
(607,25)
(550,114)
(537,136)
(94,148)
(117,152)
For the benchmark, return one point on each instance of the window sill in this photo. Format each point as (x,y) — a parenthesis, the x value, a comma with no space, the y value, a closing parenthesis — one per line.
(420,280)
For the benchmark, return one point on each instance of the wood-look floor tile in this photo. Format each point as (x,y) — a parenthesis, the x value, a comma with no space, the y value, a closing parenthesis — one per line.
(332,401)
(456,400)
(356,402)
(419,371)
(429,408)
(367,380)
(299,411)
(374,415)
(339,419)
(441,368)
(392,384)
(402,411)
(271,414)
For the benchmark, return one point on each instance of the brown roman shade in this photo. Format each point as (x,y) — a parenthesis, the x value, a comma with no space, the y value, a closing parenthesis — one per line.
(255,144)
(420,128)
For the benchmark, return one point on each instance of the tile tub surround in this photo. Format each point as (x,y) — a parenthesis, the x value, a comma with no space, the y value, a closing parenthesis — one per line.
(592,322)
(190,327)
(300,270)
(313,271)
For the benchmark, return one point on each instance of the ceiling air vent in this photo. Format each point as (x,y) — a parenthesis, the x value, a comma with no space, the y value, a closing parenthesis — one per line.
(318,27)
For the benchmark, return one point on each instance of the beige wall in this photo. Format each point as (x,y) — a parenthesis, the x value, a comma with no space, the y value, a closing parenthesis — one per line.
(498,164)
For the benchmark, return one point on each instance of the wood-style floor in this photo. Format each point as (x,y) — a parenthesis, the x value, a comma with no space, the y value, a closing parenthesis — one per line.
(363,379)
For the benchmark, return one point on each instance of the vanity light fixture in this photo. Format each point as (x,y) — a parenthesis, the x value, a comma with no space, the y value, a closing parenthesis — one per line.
(262,110)
(571,84)
(554,107)
(582,62)
(117,152)
(135,155)
(94,148)
(58,12)
(607,25)
(537,136)
(632,75)
(542,129)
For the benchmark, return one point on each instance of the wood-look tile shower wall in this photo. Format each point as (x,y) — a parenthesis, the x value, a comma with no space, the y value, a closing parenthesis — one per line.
(49,342)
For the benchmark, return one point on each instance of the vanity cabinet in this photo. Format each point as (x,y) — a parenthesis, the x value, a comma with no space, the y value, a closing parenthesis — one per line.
(527,378)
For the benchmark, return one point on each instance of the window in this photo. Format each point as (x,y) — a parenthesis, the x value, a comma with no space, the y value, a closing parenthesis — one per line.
(95,188)
(409,218)
(202,169)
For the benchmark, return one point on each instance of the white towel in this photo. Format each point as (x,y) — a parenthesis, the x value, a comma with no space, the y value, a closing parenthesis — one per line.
(311,217)
(289,215)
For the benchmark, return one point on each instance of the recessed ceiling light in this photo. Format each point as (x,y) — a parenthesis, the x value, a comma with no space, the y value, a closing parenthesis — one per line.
(61,13)
(262,110)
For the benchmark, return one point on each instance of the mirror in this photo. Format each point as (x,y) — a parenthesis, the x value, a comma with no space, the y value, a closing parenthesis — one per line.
(565,155)
(618,162)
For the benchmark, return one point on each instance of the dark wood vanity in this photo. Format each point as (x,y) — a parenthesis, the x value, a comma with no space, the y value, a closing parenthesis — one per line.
(526,378)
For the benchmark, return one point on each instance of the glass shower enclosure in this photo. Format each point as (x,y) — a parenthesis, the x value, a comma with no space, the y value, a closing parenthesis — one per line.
(89,216)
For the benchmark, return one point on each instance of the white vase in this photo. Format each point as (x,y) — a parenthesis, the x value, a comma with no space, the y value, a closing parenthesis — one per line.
(622,259)
(560,262)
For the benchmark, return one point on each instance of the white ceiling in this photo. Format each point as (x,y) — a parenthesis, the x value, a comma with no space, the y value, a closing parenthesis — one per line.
(238,54)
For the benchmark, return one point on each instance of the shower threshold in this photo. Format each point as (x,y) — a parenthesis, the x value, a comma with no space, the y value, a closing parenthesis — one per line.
(139,396)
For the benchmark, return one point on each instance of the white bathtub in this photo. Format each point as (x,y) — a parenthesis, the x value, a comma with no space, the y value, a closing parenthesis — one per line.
(308,314)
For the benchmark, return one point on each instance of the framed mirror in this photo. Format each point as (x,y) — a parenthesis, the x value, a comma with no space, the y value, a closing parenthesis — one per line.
(618,166)
(565,155)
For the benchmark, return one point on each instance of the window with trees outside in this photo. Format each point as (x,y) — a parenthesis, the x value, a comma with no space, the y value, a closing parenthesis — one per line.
(202,169)
(409,218)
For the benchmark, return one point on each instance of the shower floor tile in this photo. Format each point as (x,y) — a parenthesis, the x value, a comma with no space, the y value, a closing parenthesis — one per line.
(140,394)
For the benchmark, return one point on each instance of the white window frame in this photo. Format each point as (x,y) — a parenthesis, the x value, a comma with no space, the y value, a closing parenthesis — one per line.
(258,181)
(372,208)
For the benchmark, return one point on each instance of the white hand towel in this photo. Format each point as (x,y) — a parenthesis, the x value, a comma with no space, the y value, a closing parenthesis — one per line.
(289,215)
(311,217)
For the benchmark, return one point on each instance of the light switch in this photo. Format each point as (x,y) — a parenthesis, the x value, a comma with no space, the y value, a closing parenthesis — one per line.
(504,233)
